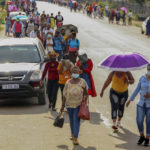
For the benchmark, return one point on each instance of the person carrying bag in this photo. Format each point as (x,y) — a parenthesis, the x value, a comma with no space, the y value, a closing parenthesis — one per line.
(74,93)
(84,112)
(59,121)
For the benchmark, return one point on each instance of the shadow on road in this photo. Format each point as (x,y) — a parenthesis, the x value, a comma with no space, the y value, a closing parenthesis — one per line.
(95,118)
(21,106)
(79,147)
(130,139)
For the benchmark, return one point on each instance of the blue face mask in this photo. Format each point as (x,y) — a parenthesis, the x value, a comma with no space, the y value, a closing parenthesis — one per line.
(148,73)
(75,75)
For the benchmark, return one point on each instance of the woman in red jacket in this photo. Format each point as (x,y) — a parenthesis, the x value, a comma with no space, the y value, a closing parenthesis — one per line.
(86,66)
(53,77)
(90,10)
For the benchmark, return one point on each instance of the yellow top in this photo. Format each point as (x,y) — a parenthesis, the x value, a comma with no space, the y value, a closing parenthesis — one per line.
(52,23)
(65,37)
(118,84)
(64,76)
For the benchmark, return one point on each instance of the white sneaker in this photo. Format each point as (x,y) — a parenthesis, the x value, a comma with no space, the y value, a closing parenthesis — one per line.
(119,125)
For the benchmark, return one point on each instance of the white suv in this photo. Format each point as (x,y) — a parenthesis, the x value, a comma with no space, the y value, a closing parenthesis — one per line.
(22,61)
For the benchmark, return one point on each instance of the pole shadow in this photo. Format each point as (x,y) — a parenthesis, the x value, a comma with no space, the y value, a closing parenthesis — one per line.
(78,147)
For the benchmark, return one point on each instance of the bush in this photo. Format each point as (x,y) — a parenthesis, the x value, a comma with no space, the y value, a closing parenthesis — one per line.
(2,18)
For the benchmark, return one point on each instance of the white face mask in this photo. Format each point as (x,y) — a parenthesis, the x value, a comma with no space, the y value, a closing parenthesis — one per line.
(75,75)
(65,68)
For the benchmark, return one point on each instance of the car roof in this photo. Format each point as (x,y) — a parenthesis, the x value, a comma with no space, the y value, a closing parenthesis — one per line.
(19,41)
(17,12)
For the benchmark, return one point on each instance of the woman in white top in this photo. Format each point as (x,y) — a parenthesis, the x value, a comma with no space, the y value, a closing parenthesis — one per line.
(49,44)
(30,27)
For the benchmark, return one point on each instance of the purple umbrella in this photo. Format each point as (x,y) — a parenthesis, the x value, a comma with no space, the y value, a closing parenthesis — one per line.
(124,9)
(124,63)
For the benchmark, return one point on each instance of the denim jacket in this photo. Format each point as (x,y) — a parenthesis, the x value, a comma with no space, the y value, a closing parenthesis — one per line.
(57,45)
(143,87)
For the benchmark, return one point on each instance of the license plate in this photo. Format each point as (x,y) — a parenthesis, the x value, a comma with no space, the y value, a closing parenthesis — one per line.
(10,86)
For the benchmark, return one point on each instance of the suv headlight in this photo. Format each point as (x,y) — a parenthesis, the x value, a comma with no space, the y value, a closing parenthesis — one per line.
(36,75)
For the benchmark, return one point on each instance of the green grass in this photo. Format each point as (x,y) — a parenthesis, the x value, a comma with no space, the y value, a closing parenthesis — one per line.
(3,14)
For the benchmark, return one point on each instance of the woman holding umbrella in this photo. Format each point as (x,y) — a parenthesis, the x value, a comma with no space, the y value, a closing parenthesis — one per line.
(120,77)
(118,94)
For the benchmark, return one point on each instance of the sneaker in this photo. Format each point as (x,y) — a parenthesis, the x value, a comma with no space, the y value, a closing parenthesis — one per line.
(114,127)
(119,125)
(146,142)
(141,140)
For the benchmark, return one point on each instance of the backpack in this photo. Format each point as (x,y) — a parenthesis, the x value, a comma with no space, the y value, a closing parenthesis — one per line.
(77,41)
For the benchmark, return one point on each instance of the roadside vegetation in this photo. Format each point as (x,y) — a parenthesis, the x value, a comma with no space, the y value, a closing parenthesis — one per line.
(2,17)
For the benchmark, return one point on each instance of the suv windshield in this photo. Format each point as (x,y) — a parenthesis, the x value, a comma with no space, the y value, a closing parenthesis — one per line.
(19,54)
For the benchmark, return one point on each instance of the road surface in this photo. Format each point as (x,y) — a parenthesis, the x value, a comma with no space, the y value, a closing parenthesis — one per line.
(27,126)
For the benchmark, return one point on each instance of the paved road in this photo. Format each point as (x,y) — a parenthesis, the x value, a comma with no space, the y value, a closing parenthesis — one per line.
(27,126)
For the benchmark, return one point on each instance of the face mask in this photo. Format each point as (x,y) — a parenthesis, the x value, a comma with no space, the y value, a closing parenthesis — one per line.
(148,73)
(65,68)
(75,75)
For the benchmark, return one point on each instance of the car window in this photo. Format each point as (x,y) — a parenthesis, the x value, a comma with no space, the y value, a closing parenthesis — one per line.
(19,54)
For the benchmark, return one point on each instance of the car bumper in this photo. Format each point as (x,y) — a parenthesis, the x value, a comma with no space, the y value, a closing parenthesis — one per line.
(25,90)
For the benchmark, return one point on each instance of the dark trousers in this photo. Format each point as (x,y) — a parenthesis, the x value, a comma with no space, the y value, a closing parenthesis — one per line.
(17,35)
(60,52)
(73,57)
(61,86)
(52,92)
(118,101)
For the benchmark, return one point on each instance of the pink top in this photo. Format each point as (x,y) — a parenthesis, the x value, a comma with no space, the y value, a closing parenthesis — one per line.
(72,49)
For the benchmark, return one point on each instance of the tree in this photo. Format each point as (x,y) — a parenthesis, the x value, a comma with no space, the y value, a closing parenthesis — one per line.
(140,1)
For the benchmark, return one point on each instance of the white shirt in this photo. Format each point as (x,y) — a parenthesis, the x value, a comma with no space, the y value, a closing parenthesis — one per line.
(49,48)
(33,34)
(49,31)
(106,7)
(59,18)
(130,14)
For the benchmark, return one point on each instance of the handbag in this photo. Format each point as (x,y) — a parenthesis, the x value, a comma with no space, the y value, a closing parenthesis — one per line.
(59,121)
(84,112)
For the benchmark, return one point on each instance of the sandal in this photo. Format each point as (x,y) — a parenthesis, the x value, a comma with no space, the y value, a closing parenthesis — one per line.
(75,142)
(50,105)
(72,137)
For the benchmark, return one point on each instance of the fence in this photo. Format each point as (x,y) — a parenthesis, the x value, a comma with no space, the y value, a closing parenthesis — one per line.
(135,7)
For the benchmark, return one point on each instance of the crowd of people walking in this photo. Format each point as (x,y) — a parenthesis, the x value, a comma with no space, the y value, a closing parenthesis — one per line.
(120,15)
(71,72)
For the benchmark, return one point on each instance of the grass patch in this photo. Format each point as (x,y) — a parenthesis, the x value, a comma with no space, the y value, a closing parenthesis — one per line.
(3,14)
(137,23)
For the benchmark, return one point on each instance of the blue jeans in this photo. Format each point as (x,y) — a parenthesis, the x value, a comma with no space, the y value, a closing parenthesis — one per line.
(18,35)
(74,120)
(60,52)
(141,113)
(8,27)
